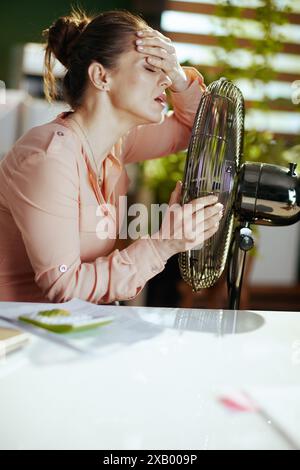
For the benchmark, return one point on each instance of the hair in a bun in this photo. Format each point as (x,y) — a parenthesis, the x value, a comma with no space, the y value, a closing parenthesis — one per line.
(63,34)
(61,37)
(77,40)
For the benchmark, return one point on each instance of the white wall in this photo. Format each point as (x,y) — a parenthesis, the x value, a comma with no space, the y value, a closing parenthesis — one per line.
(278,255)
(20,113)
(10,119)
(37,111)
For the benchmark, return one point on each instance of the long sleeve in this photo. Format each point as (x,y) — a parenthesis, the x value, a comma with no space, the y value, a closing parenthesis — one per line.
(43,200)
(174,131)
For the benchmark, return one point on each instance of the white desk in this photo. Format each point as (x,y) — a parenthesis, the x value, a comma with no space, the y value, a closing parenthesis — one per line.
(152,381)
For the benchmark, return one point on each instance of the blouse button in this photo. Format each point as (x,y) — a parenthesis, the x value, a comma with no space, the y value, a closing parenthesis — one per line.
(60,133)
(63,268)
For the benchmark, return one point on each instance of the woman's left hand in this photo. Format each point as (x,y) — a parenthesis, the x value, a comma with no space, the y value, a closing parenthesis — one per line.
(161,54)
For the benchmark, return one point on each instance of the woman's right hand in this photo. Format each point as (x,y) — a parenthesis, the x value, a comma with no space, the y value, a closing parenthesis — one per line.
(185,227)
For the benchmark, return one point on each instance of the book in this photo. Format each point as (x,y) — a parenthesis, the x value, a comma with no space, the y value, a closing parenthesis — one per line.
(11,339)
(60,320)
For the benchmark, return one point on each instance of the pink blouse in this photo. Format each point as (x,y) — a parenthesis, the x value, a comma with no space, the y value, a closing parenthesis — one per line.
(49,250)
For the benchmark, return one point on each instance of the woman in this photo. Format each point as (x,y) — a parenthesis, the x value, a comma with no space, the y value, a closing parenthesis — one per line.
(57,174)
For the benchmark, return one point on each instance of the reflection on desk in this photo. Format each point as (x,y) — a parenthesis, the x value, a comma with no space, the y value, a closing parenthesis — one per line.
(219,322)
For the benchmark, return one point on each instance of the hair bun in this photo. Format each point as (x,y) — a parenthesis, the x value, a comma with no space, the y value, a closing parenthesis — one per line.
(63,34)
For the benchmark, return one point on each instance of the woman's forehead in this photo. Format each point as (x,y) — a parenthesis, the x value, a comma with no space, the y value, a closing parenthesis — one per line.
(131,58)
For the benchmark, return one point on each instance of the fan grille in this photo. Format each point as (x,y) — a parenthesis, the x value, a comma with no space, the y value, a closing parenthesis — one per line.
(213,161)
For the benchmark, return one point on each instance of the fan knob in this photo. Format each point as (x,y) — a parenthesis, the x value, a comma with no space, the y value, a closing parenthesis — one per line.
(246,241)
(292,168)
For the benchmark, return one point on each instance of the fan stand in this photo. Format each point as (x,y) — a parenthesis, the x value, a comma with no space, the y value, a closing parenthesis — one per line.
(241,243)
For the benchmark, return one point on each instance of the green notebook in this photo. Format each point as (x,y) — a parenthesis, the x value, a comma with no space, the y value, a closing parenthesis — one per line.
(62,321)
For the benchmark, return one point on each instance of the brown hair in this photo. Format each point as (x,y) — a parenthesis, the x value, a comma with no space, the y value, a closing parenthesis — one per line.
(77,40)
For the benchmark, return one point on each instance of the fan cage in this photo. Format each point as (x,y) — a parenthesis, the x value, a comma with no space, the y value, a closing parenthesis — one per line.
(213,161)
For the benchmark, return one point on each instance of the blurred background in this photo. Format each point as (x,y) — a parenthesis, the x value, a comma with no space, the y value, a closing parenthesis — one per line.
(254,43)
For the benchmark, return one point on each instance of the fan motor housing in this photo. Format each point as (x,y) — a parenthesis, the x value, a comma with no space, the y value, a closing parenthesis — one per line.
(268,194)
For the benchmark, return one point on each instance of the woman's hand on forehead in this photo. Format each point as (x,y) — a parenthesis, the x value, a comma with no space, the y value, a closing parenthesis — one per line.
(161,55)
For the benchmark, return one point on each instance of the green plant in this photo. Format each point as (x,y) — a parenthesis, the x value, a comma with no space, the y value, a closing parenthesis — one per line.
(161,174)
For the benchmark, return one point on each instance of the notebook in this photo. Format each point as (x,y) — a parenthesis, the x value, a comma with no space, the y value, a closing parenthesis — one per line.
(60,320)
(11,339)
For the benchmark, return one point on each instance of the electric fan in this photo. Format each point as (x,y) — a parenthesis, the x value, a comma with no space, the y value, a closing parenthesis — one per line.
(252,193)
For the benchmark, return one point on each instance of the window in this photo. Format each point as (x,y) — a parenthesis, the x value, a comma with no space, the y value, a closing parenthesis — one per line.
(196,30)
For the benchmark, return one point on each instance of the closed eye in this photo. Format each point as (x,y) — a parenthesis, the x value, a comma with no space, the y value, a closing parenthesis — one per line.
(150,70)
